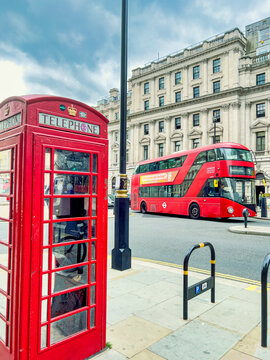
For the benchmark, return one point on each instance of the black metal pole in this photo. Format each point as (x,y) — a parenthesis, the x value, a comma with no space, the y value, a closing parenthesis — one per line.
(121,253)
(264,314)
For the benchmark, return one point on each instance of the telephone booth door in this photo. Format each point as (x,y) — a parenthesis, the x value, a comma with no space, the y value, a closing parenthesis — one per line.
(69,288)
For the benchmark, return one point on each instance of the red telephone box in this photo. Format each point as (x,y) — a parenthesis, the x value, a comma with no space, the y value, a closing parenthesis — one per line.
(53,228)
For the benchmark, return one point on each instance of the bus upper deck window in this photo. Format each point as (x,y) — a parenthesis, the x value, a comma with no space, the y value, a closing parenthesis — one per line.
(211,155)
(201,158)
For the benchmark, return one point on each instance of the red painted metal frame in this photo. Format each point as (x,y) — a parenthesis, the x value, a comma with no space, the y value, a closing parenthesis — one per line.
(30,140)
(209,207)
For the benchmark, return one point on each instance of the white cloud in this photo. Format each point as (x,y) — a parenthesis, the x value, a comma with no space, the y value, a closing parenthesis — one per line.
(12,79)
(24,75)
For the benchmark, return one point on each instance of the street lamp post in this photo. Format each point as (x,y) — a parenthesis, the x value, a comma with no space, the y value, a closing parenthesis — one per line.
(121,253)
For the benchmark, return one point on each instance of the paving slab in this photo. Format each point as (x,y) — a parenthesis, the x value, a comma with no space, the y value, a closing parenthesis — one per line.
(196,341)
(150,276)
(251,344)
(109,354)
(134,335)
(124,306)
(237,355)
(233,314)
(147,355)
(159,291)
(122,286)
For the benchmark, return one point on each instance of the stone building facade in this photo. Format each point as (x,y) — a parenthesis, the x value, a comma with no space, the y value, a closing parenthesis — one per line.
(217,90)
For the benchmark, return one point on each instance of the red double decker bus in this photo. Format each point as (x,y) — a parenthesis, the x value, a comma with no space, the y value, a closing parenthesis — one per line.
(215,181)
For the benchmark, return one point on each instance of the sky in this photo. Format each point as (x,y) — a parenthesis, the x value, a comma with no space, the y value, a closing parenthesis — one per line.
(71,48)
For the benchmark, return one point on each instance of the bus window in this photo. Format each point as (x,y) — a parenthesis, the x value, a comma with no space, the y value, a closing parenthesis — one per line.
(171,163)
(163,165)
(178,162)
(163,191)
(211,155)
(219,154)
(154,191)
(201,158)
(152,166)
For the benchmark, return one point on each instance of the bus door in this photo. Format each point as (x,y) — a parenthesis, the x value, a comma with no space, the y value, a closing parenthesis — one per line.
(211,203)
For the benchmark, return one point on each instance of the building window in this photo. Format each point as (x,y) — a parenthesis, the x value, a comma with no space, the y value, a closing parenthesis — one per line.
(216,115)
(161,101)
(127,156)
(260,141)
(260,110)
(177,122)
(216,139)
(113,182)
(196,92)
(260,79)
(177,146)
(116,136)
(196,72)
(216,66)
(178,78)
(146,129)
(178,96)
(161,83)
(195,143)
(146,88)
(196,119)
(117,116)
(145,152)
(161,126)
(116,158)
(146,105)
(216,87)
(160,149)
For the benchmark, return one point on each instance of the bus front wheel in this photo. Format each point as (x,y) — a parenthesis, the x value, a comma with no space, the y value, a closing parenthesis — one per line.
(143,208)
(194,211)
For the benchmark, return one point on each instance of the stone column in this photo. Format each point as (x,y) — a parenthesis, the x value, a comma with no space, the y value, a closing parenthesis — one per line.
(152,84)
(225,68)
(185,81)
(204,127)
(205,77)
(247,120)
(152,136)
(225,122)
(167,122)
(185,127)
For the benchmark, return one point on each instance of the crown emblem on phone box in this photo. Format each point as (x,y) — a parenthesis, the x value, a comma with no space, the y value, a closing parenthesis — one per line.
(72,110)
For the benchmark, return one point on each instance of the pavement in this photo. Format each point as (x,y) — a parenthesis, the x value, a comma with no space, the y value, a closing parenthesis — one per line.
(145,315)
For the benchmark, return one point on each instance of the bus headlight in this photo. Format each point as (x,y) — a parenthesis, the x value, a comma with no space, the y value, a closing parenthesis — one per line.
(230,210)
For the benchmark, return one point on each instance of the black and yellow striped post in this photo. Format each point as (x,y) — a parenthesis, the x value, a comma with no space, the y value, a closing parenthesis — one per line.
(121,253)
(202,286)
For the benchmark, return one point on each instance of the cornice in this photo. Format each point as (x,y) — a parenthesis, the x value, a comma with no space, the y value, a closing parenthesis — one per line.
(187,58)
(201,100)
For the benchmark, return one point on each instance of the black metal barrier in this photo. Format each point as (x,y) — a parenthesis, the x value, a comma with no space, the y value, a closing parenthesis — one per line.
(264,273)
(264,207)
(202,286)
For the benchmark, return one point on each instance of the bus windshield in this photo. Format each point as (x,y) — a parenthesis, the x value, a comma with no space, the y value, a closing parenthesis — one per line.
(233,154)
(239,190)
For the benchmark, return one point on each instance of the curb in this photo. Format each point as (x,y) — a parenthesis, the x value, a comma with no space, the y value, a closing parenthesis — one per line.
(263,231)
